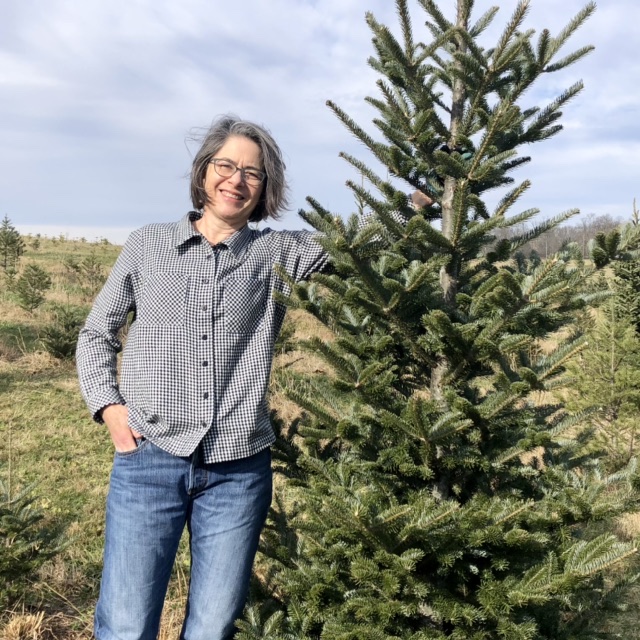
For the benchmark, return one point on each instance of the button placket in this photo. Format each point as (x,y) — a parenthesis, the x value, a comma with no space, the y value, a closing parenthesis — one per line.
(204,330)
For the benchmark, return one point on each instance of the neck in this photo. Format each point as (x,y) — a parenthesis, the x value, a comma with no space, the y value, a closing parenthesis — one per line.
(214,230)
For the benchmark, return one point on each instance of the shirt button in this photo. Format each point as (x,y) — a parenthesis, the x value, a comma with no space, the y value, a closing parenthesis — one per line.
(204,337)
(209,256)
(205,280)
(204,423)
(205,395)
(204,307)
(205,364)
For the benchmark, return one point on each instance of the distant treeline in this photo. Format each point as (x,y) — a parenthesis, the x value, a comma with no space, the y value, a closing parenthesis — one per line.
(584,229)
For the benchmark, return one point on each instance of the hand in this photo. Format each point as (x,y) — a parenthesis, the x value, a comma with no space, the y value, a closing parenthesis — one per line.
(116,417)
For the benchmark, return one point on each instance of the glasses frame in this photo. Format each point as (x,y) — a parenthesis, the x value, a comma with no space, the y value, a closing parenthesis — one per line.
(242,170)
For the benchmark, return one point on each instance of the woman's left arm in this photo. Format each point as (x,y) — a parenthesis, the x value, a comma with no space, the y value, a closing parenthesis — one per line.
(302,254)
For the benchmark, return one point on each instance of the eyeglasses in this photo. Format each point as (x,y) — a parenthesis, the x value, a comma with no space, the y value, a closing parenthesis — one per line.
(226,168)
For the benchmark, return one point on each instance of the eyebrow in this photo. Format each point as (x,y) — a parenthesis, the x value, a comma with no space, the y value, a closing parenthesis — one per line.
(247,167)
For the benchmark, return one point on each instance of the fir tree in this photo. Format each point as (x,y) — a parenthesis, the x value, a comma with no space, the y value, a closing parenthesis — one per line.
(433,489)
(11,245)
(627,271)
(30,287)
(620,249)
(28,541)
(605,379)
(60,337)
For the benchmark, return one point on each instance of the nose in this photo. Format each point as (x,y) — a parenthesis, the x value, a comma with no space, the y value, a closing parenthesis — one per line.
(237,177)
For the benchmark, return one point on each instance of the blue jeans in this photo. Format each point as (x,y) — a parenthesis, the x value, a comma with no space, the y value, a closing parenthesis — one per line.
(152,495)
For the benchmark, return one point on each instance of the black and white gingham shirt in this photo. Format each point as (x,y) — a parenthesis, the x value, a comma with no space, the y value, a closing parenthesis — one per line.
(198,356)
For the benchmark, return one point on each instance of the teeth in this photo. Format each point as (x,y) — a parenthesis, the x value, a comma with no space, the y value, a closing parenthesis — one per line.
(232,195)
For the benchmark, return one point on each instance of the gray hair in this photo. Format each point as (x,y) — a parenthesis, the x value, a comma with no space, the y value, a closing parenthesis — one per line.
(274,196)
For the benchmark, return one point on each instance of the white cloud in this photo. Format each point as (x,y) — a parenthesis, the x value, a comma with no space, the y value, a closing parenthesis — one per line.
(99,96)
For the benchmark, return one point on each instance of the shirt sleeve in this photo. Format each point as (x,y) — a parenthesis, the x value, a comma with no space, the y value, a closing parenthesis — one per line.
(98,342)
(303,254)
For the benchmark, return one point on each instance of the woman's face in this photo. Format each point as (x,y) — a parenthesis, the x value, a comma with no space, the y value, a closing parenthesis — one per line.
(232,200)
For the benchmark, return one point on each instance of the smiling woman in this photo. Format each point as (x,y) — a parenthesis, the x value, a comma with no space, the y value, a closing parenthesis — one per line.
(188,415)
(233,188)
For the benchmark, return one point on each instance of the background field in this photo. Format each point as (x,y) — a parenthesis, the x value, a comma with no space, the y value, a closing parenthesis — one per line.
(47,438)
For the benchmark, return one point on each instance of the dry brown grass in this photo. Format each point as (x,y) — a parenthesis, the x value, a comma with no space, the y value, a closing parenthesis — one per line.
(40,626)
(25,626)
(628,526)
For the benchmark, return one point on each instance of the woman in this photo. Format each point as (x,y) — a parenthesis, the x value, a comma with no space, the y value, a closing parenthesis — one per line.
(187,415)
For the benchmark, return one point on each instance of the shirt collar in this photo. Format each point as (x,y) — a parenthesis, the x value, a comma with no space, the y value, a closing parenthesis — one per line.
(184,229)
(236,243)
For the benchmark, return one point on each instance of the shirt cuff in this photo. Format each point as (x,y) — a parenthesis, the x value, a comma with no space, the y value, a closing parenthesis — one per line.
(101,400)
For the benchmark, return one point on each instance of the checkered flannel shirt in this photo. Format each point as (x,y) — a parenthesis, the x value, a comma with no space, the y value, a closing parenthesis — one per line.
(198,355)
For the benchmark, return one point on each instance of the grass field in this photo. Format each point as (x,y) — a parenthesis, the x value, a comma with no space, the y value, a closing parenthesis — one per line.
(47,438)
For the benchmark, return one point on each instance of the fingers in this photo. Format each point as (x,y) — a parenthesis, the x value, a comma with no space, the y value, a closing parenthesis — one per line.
(116,417)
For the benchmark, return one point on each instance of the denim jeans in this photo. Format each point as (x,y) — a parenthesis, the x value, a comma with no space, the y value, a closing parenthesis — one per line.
(152,495)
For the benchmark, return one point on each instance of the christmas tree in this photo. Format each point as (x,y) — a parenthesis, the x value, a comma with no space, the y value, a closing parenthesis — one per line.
(11,245)
(605,377)
(434,488)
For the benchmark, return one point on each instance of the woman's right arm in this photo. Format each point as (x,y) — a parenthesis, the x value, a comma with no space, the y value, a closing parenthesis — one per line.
(98,343)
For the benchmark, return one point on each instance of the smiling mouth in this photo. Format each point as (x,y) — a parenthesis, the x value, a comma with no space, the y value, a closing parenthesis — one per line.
(228,194)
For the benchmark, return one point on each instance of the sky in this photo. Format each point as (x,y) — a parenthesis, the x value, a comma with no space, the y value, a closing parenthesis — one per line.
(100,101)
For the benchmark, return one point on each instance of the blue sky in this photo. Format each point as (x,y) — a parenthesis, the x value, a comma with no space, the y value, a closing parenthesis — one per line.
(98,98)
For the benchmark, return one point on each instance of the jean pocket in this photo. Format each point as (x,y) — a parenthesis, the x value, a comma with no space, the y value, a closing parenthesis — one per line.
(164,300)
(141,443)
(244,304)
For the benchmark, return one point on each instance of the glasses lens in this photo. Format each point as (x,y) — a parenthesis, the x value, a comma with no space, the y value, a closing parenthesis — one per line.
(224,168)
(253,177)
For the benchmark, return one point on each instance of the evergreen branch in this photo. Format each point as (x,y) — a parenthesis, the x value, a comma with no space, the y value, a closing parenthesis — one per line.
(499,119)
(497,402)
(362,168)
(387,44)
(460,202)
(391,221)
(426,520)
(400,147)
(418,224)
(450,165)
(543,47)
(510,199)
(376,148)
(477,53)
(585,558)
(551,364)
(522,239)
(478,206)
(490,168)
(417,275)
(391,111)
(574,24)
(568,423)
(545,118)
(570,59)
(396,105)
(512,54)
(534,282)
(312,405)
(430,51)
(468,70)
(510,31)
(433,10)
(405,23)
(447,425)
(483,22)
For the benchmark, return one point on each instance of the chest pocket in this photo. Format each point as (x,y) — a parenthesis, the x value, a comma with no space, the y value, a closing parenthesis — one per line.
(164,300)
(245,304)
